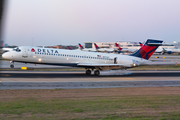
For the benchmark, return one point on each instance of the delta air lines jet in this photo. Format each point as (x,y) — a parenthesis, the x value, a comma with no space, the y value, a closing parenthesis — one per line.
(87,49)
(125,50)
(89,60)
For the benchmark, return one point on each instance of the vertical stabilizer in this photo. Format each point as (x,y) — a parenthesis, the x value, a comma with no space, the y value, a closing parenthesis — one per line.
(69,48)
(118,47)
(96,46)
(80,46)
(147,49)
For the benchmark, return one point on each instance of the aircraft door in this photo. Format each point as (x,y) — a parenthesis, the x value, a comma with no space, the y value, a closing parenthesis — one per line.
(25,53)
(115,60)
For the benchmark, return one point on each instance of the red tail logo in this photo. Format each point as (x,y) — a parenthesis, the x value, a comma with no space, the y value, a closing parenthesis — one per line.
(80,46)
(148,49)
(118,47)
(96,46)
(32,50)
(69,48)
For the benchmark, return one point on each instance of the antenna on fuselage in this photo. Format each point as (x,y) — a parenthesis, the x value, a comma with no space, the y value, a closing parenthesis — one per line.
(32,40)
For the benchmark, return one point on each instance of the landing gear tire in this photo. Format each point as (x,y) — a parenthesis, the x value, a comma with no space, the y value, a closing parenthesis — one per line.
(88,72)
(12,66)
(96,72)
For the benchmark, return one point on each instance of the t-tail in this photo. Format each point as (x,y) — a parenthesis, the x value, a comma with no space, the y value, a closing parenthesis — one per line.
(147,49)
(96,46)
(80,46)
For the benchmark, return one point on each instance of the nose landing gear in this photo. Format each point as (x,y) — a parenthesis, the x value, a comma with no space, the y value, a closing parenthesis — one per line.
(12,64)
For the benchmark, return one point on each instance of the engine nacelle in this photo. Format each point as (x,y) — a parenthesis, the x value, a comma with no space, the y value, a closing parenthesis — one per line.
(169,52)
(128,62)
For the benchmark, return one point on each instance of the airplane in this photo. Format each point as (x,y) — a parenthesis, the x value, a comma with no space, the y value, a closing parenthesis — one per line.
(7,49)
(124,49)
(96,49)
(91,61)
(87,49)
(109,50)
(170,51)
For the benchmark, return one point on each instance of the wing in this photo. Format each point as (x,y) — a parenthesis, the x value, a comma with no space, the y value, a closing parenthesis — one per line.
(104,66)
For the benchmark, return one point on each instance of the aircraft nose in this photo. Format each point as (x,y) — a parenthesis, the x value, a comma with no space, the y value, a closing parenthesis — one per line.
(6,55)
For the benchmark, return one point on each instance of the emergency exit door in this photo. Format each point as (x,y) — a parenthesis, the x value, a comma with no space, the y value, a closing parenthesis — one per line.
(25,53)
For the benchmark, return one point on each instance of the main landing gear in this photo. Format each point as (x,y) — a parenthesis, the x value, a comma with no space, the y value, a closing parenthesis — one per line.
(12,64)
(96,72)
(88,72)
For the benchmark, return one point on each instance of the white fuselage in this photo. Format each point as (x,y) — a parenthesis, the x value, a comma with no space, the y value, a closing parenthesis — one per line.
(69,57)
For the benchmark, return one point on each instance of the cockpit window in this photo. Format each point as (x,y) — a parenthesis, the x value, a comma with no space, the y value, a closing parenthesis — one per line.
(17,49)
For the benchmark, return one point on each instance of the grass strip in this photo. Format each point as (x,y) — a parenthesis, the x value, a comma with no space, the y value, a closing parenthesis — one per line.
(163,107)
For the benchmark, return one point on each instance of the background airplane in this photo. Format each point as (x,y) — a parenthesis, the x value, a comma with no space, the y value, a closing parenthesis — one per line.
(170,51)
(7,49)
(96,49)
(87,49)
(125,50)
(109,50)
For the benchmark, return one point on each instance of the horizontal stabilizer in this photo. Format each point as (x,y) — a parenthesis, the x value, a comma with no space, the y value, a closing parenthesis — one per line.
(155,44)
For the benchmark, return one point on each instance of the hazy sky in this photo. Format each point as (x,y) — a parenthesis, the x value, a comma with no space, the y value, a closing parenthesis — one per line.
(69,22)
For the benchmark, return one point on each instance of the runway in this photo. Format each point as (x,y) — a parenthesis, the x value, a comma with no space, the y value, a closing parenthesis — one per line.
(78,80)
(81,74)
